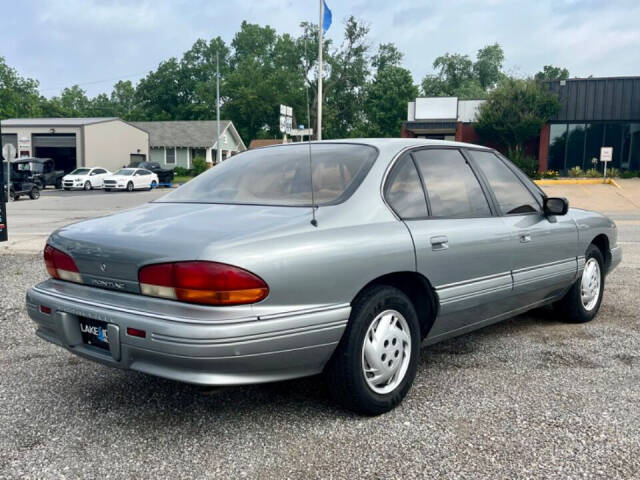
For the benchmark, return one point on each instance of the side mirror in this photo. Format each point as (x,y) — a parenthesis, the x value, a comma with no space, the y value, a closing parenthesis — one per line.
(556,206)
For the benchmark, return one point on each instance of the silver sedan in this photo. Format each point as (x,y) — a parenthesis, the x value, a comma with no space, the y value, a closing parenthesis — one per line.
(342,257)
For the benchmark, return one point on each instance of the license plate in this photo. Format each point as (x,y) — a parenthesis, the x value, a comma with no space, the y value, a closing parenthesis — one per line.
(94,332)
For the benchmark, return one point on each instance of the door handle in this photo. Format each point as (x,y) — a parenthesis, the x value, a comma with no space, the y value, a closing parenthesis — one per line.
(525,237)
(439,242)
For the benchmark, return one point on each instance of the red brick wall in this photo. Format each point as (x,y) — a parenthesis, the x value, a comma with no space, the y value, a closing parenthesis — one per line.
(543,148)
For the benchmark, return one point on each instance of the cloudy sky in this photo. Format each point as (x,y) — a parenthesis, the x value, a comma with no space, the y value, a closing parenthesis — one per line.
(94,43)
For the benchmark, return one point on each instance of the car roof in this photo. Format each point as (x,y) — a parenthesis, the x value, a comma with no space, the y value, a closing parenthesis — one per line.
(390,143)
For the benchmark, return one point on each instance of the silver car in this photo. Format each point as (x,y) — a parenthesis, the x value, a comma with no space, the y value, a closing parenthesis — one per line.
(249,274)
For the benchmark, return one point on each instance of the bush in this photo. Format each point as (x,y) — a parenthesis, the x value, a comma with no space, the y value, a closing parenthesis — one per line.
(593,173)
(524,162)
(550,174)
(629,174)
(199,165)
(576,172)
(613,172)
(182,172)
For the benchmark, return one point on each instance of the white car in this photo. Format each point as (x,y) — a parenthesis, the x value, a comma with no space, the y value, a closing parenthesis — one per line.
(131,179)
(85,178)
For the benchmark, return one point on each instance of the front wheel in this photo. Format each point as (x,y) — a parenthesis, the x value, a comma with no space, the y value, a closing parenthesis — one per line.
(87,185)
(583,300)
(375,363)
(34,194)
(130,187)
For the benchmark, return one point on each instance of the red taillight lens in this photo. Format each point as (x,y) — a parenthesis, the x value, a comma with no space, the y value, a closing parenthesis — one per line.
(60,265)
(202,282)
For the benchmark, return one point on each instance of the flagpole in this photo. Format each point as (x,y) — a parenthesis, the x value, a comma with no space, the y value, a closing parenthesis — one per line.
(320,26)
(218,151)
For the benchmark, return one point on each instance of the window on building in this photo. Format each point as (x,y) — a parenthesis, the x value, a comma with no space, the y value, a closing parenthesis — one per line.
(594,140)
(404,190)
(452,188)
(557,146)
(512,196)
(575,146)
(613,138)
(170,155)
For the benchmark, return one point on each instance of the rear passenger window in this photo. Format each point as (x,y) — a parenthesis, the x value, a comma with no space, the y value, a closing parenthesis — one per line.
(452,188)
(512,196)
(404,190)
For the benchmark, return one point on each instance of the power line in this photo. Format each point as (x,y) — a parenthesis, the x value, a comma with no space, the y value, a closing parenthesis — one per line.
(122,77)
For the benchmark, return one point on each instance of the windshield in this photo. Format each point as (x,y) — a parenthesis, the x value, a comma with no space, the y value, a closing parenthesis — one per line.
(124,171)
(280,176)
(80,171)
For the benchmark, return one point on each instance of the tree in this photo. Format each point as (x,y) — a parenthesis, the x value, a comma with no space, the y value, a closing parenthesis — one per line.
(386,101)
(549,72)
(488,65)
(123,100)
(515,112)
(388,55)
(19,96)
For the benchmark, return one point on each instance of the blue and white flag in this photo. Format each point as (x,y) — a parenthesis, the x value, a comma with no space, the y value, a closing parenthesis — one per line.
(326,18)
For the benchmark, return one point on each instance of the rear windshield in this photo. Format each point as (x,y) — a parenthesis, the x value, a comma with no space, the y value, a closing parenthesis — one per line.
(281,176)
(80,171)
(124,171)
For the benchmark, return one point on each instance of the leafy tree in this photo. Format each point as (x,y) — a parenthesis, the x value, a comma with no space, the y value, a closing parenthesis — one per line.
(514,113)
(387,55)
(549,72)
(123,100)
(19,96)
(488,65)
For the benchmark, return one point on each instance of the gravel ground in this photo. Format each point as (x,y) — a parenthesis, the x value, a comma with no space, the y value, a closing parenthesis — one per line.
(528,398)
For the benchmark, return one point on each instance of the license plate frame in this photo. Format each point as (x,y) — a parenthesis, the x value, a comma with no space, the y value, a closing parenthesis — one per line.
(94,333)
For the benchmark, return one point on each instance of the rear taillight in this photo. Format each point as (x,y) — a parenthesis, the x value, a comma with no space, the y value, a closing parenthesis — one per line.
(60,265)
(209,283)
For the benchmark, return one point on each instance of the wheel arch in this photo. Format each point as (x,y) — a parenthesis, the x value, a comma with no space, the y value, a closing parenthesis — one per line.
(601,241)
(419,290)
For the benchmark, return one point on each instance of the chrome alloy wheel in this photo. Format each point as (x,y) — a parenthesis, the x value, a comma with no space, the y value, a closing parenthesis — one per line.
(386,351)
(590,286)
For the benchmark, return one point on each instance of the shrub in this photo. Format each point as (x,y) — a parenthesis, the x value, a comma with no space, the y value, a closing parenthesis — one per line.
(629,174)
(576,172)
(550,174)
(593,173)
(199,165)
(524,162)
(182,172)
(613,172)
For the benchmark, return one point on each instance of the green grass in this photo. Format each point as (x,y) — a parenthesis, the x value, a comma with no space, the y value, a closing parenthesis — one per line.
(181,179)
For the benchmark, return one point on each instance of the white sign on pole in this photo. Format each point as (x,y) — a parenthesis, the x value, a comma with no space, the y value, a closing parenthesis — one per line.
(289,125)
(9,152)
(283,124)
(283,109)
(606,154)
(289,112)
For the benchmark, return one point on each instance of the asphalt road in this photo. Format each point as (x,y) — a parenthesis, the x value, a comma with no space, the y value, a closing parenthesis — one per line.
(528,398)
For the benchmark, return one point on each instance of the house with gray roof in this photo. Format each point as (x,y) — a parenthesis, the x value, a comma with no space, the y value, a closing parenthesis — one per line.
(177,143)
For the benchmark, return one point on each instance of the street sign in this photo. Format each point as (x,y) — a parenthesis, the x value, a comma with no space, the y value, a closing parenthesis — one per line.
(606,154)
(9,152)
(289,112)
(289,125)
(301,132)
(283,124)
(283,109)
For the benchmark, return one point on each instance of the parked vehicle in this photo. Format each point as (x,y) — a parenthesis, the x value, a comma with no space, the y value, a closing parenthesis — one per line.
(130,179)
(246,274)
(165,175)
(85,178)
(41,171)
(20,184)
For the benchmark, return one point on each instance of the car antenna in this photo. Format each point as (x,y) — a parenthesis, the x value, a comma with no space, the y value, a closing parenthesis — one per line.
(314,221)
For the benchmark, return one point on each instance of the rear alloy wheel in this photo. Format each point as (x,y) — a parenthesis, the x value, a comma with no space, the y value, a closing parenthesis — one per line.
(583,300)
(87,185)
(130,187)
(375,363)
(35,193)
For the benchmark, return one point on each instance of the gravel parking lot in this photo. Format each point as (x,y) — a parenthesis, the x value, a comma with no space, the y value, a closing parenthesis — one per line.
(527,398)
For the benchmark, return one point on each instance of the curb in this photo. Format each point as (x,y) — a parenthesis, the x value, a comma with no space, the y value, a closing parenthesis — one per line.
(577,181)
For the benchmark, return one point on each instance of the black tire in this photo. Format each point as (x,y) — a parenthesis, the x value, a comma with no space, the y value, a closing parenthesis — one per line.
(87,185)
(153,185)
(571,308)
(344,372)
(107,189)
(58,184)
(34,194)
(66,189)
(130,187)
(15,197)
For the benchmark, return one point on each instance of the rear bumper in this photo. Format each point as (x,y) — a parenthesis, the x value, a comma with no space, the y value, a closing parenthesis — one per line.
(242,351)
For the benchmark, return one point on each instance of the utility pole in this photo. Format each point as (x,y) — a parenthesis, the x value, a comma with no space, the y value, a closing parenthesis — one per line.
(218,150)
(320,27)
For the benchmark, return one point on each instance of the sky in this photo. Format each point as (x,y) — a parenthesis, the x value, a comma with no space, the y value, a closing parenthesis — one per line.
(95,43)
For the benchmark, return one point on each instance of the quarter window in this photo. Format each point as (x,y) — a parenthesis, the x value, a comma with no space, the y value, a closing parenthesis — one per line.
(452,188)
(404,191)
(171,155)
(512,196)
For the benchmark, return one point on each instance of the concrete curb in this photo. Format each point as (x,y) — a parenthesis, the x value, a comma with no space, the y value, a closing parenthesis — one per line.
(577,181)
